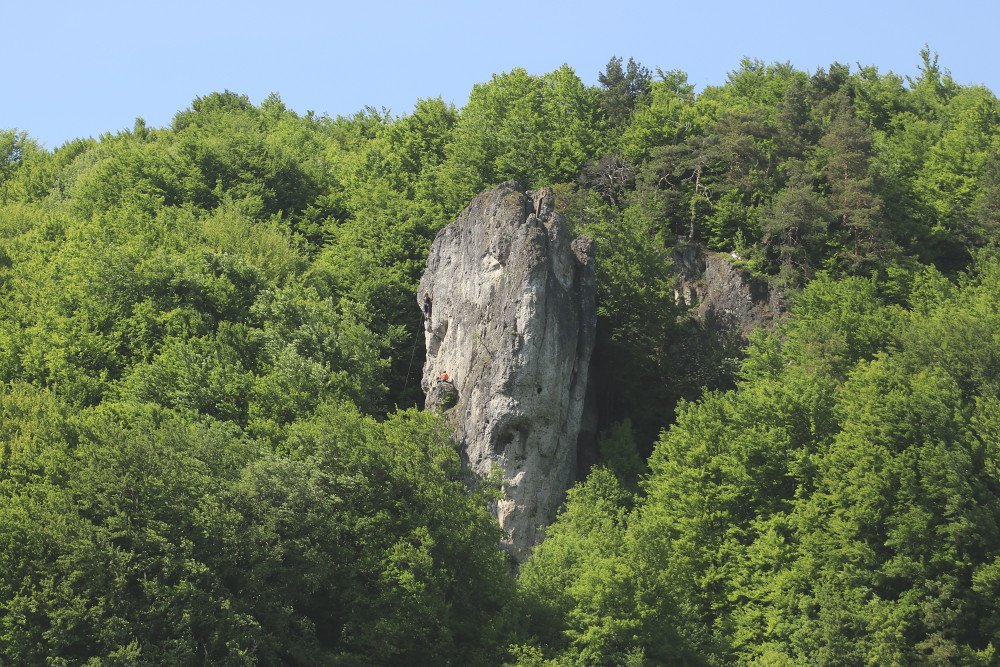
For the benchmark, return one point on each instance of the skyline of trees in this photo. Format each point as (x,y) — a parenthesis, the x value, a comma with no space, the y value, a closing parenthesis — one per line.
(209,444)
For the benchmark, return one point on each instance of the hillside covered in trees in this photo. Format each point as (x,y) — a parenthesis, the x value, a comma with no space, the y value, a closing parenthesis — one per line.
(209,380)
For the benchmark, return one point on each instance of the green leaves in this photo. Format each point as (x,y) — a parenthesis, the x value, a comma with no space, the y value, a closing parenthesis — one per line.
(839,506)
(622,89)
(198,323)
(171,541)
(535,130)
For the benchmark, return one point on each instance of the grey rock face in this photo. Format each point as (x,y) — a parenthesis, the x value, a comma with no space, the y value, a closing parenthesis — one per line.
(512,325)
(725,298)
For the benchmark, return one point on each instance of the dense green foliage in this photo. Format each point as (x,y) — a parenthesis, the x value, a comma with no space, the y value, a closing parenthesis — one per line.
(841,506)
(209,354)
(170,541)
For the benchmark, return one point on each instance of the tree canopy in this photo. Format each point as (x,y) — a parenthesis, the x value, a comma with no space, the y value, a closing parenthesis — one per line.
(211,451)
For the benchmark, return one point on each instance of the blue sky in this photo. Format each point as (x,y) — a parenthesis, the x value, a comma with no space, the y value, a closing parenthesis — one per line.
(78,69)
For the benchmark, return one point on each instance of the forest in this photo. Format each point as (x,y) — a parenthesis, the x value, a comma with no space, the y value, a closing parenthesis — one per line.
(213,450)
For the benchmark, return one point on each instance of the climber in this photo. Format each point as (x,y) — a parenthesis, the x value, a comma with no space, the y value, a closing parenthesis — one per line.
(428,302)
(444,378)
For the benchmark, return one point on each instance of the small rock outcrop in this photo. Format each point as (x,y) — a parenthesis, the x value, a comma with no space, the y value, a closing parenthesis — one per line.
(511,322)
(725,299)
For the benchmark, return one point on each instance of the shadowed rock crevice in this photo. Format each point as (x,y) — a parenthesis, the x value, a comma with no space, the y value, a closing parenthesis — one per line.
(513,327)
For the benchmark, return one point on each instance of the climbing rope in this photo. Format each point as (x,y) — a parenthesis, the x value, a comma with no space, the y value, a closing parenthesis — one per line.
(409,367)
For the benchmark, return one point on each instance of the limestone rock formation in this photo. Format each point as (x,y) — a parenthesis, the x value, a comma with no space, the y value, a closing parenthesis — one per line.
(512,324)
(726,299)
